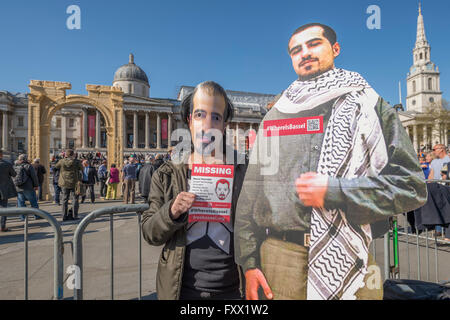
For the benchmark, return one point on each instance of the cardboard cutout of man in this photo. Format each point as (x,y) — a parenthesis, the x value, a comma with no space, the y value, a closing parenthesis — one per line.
(345,162)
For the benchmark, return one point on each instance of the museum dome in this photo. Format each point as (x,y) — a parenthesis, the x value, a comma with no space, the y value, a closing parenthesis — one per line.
(130,72)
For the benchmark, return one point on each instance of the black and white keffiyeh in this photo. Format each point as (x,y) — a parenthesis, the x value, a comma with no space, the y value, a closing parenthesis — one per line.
(353,146)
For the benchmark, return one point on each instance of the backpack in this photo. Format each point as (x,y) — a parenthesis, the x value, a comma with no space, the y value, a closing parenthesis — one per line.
(405,289)
(21,175)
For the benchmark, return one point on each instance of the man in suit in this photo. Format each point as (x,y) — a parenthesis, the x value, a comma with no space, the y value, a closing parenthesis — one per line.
(90,178)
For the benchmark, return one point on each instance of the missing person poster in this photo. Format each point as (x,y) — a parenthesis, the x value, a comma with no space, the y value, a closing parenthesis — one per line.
(212,185)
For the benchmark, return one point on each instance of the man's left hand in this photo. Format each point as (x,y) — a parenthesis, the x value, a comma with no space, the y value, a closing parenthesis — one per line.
(311,189)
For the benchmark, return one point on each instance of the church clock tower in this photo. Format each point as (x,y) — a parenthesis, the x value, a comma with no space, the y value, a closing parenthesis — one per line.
(423,81)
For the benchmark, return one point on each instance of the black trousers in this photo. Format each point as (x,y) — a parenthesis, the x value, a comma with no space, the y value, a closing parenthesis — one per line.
(103,187)
(90,189)
(4,204)
(75,204)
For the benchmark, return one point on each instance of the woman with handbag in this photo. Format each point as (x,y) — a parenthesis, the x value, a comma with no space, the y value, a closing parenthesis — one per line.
(112,181)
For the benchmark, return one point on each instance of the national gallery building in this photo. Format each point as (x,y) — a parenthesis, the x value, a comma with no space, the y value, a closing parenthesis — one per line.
(148,122)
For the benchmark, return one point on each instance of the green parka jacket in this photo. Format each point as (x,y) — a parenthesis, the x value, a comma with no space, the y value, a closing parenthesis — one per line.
(70,172)
(158,228)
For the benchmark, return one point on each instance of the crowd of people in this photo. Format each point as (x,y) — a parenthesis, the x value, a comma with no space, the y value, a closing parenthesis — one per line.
(73,176)
(435,163)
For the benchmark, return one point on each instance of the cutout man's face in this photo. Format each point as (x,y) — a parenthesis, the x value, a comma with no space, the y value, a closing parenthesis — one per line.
(222,191)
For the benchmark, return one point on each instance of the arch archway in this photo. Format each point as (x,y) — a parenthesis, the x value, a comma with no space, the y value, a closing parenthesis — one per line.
(47,97)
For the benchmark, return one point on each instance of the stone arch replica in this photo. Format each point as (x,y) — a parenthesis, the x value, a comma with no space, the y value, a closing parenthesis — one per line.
(47,97)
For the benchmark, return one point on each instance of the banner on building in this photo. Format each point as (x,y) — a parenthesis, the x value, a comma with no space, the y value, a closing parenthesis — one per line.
(91,125)
(164,128)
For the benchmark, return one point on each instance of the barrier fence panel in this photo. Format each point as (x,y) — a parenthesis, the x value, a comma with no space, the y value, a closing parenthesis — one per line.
(397,262)
(57,247)
(407,239)
(78,244)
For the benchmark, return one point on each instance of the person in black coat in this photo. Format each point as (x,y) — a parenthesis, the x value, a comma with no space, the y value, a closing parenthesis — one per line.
(56,187)
(7,188)
(90,178)
(40,172)
(145,176)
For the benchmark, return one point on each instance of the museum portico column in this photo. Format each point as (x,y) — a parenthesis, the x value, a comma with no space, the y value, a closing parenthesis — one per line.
(85,128)
(435,134)
(5,146)
(135,130)
(169,130)
(158,131)
(64,132)
(425,136)
(125,138)
(97,129)
(147,131)
(237,136)
(415,142)
(446,134)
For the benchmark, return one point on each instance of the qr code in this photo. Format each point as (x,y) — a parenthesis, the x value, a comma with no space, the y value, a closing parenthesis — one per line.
(313,125)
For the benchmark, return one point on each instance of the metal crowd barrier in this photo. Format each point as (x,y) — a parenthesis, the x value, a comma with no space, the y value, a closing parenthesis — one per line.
(58,248)
(392,258)
(78,245)
(400,233)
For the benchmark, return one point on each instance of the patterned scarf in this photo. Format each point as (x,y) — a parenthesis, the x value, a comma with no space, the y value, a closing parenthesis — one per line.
(353,146)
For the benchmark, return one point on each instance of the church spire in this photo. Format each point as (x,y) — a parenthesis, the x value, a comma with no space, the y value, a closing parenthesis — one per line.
(421,39)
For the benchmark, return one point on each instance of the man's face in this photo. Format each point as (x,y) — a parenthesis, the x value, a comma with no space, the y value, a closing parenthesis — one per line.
(311,53)
(207,114)
(222,191)
(437,150)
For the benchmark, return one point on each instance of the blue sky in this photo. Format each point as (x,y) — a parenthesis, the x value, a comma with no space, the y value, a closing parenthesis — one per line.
(240,44)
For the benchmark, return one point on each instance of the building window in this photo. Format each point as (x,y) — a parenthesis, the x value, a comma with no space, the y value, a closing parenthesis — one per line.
(20,145)
(414,102)
(71,122)
(20,121)
(129,88)
(58,123)
(431,99)
(421,56)
(414,86)
(429,83)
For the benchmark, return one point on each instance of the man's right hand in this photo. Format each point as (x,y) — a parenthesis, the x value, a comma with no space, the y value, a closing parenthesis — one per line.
(253,279)
(183,202)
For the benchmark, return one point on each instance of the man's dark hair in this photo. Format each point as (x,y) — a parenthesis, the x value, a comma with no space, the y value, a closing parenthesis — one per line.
(69,153)
(212,88)
(113,165)
(328,32)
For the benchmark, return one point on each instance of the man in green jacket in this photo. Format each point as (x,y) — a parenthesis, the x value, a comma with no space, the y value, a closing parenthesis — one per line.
(197,261)
(340,161)
(69,176)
